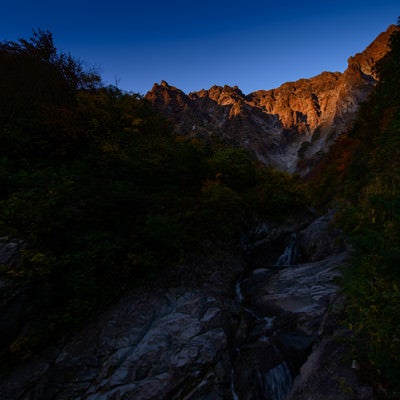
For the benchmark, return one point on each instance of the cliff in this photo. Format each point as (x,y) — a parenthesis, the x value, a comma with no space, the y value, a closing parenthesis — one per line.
(285,127)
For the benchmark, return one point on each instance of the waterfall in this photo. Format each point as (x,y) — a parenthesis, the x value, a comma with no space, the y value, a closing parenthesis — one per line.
(269,322)
(233,391)
(288,257)
(278,382)
(274,383)
(273,378)
(238,291)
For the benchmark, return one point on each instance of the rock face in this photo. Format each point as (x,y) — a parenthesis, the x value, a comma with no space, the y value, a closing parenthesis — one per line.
(156,343)
(9,250)
(288,307)
(285,127)
(293,327)
(320,239)
(222,339)
(326,373)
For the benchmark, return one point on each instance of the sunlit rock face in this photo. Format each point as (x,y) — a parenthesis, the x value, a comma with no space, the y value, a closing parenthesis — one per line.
(286,127)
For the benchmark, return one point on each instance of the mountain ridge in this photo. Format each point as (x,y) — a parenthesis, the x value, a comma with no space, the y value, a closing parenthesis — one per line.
(287,127)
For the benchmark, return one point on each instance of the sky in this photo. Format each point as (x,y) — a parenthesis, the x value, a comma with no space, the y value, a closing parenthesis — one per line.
(195,44)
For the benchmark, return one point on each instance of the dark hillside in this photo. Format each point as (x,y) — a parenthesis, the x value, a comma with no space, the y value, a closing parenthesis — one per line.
(104,195)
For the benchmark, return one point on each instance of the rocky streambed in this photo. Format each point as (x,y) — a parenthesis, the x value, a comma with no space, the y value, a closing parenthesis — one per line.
(249,331)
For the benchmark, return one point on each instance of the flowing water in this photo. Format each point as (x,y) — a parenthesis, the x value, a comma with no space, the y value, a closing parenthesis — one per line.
(275,383)
(278,382)
(233,390)
(290,253)
(273,379)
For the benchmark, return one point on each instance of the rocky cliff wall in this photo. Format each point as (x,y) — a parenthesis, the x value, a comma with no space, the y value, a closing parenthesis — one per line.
(286,127)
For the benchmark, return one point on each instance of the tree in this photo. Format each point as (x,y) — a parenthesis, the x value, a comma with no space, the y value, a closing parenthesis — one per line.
(38,100)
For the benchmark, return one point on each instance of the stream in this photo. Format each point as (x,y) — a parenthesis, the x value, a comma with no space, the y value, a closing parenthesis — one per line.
(261,369)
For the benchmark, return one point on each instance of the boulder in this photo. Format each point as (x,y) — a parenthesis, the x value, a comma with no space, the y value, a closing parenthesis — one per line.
(320,239)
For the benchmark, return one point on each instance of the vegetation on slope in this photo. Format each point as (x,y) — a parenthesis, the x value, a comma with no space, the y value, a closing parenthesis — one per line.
(362,171)
(103,193)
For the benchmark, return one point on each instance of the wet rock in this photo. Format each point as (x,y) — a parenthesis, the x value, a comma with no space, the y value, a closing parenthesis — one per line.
(265,242)
(327,373)
(10,250)
(295,347)
(285,308)
(320,239)
(254,364)
(305,291)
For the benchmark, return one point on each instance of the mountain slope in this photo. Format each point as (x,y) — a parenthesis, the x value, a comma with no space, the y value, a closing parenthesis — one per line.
(361,177)
(285,127)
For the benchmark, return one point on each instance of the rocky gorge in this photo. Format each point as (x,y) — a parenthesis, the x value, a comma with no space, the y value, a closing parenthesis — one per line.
(248,330)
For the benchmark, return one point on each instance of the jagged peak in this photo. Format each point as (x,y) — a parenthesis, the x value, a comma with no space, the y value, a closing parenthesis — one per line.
(275,123)
(164,87)
(367,59)
(164,84)
(293,85)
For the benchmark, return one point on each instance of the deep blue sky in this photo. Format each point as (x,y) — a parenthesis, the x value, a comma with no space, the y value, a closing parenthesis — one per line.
(193,44)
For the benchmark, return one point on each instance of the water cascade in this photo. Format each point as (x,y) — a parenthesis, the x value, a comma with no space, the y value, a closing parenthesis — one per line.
(289,255)
(278,382)
(270,373)
(233,391)
(259,366)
